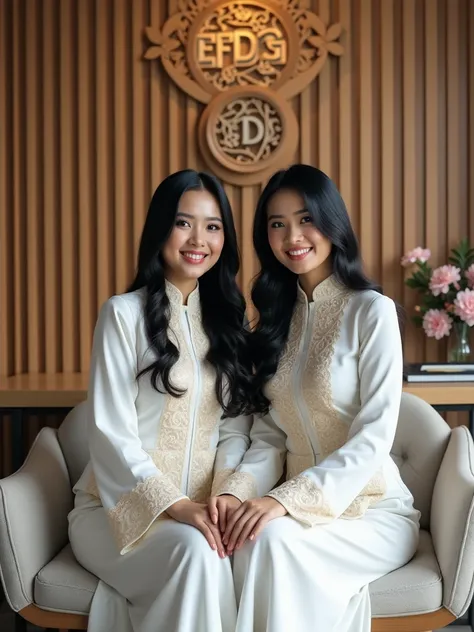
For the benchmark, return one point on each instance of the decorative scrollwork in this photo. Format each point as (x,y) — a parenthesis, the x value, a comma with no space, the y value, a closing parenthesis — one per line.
(170,45)
(245,59)
(248,130)
(251,46)
(209,47)
(245,132)
(316,41)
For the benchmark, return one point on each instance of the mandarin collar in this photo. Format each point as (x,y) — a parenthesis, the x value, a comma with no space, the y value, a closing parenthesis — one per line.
(324,291)
(176,298)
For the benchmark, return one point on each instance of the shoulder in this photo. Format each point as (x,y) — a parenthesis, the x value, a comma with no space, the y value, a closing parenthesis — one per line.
(368,312)
(126,308)
(372,303)
(376,317)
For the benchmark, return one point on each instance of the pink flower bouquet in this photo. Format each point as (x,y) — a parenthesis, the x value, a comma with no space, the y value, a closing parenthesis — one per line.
(447,292)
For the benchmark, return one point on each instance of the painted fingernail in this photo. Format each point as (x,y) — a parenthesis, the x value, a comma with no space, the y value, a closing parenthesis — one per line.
(252,537)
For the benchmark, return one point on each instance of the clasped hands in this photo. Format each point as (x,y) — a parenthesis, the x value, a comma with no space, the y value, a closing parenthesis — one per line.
(225,521)
(239,521)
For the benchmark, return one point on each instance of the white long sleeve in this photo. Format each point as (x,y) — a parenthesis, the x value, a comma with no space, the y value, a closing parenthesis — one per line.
(234,440)
(262,463)
(148,449)
(350,479)
(134,492)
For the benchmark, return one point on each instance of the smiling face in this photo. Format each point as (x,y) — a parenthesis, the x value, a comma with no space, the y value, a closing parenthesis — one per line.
(294,239)
(196,241)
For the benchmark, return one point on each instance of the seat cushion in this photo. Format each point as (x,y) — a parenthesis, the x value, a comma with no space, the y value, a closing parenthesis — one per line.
(415,588)
(65,586)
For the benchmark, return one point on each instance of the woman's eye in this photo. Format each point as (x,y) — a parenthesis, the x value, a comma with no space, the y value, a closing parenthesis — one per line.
(277,224)
(307,219)
(214,227)
(182,223)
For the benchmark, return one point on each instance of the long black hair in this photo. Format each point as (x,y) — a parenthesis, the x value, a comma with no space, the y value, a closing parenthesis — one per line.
(222,303)
(274,290)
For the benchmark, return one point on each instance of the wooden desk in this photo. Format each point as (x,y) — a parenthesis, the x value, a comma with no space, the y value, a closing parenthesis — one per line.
(64,390)
(446,396)
(443,393)
(40,393)
(32,394)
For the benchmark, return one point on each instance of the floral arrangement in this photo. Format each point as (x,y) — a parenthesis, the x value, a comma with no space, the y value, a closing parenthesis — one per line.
(447,292)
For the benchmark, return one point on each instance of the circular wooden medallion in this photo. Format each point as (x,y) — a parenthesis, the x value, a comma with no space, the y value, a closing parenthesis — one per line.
(245,133)
(249,43)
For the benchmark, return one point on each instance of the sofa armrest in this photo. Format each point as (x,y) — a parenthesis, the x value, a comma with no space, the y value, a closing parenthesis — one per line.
(452,521)
(34,506)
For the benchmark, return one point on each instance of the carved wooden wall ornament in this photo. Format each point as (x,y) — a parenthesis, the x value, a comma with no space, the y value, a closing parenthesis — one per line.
(244,60)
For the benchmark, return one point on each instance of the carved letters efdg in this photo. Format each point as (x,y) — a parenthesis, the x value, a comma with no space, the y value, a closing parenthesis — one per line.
(245,60)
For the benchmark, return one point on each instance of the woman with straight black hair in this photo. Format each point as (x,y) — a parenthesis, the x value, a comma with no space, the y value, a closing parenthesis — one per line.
(167,403)
(328,377)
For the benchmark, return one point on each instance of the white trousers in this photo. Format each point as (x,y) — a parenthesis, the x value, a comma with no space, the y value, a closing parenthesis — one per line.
(316,579)
(171,582)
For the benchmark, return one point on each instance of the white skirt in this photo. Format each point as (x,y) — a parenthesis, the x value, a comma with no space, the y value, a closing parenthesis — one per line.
(172,581)
(292,578)
(316,579)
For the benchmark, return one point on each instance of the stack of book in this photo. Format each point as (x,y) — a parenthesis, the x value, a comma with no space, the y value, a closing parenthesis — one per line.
(439,372)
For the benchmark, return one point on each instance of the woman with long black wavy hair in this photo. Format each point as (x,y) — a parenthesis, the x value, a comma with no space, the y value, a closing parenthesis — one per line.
(328,370)
(166,407)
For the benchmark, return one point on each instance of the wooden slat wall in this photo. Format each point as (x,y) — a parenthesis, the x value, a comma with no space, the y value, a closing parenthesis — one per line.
(88,129)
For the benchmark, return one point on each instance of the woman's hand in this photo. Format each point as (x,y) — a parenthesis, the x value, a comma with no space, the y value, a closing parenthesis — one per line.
(249,520)
(221,509)
(197,515)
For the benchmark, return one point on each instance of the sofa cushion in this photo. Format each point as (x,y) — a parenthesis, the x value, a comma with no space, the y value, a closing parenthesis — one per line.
(72,437)
(34,505)
(420,443)
(415,588)
(63,585)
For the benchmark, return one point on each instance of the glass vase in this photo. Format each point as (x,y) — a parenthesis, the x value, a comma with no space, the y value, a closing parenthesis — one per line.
(460,350)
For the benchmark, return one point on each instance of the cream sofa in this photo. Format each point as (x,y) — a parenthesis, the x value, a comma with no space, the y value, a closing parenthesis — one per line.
(44,583)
